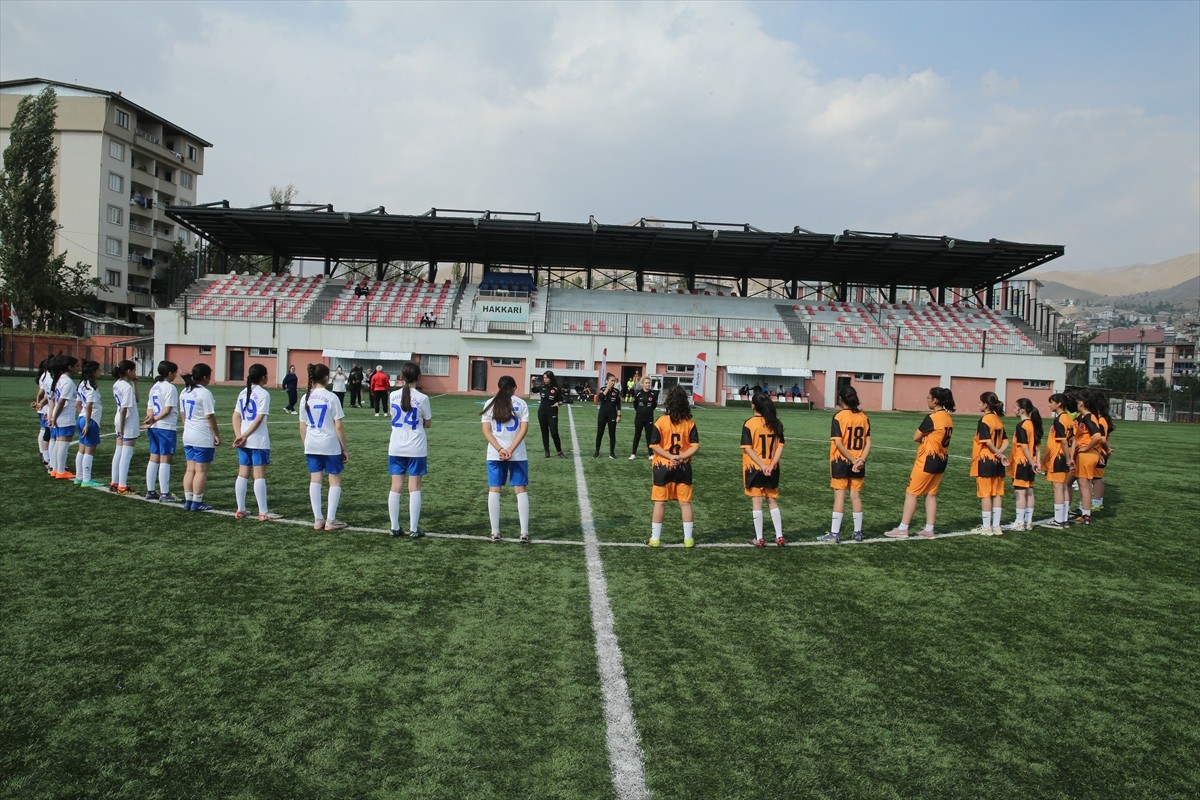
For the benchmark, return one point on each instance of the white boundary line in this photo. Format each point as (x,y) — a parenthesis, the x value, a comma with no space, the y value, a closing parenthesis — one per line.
(625,758)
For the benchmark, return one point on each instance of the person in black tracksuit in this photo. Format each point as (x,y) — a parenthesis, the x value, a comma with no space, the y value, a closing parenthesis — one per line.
(645,400)
(609,415)
(552,396)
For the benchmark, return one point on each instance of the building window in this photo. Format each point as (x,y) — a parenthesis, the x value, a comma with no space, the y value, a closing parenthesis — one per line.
(1035,384)
(435,365)
(264,351)
(115,215)
(680,369)
(168,175)
(545,363)
(506,362)
(116,150)
(122,119)
(205,349)
(192,152)
(185,179)
(182,203)
(868,377)
(116,182)
(574,365)
(113,246)
(112,277)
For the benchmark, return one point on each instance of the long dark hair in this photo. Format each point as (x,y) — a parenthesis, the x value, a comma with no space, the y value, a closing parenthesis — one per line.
(1026,405)
(502,405)
(550,375)
(848,397)
(165,368)
(122,369)
(993,403)
(943,397)
(411,373)
(1100,402)
(764,406)
(317,373)
(255,376)
(676,404)
(61,365)
(87,373)
(199,372)
(1066,400)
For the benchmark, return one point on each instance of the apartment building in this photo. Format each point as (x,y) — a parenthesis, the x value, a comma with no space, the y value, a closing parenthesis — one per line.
(119,167)
(1157,353)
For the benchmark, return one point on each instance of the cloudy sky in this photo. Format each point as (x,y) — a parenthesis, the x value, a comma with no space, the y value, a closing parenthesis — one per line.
(1069,123)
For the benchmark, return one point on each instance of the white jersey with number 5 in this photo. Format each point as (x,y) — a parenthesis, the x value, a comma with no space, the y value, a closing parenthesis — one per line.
(408,427)
(505,432)
(258,404)
(320,408)
(163,394)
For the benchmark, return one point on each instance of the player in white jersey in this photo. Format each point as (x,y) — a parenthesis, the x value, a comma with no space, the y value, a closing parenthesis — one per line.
(126,422)
(253,442)
(162,418)
(41,405)
(505,422)
(89,410)
(61,415)
(324,440)
(408,449)
(200,435)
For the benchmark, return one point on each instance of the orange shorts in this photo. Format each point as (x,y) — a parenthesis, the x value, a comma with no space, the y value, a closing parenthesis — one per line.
(762,491)
(853,484)
(676,491)
(921,482)
(1058,477)
(1085,464)
(989,487)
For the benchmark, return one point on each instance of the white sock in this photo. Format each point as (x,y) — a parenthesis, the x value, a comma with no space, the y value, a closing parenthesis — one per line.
(79,466)
(996,516)
(394,509)
(115,472)
(987,519)
(239,492)
(43,451)
(902,527)
(164,478)
(655,531)
(757,517)
(857,515)
(494,511)
(314,500)
(88,461)
(523,512)
(58,455)
(335,497)
(835,522)
(777,522)
(687,531)
(928,526)
(151,476)
(1029,514)
(414,510)
(187,496)
(126,460)
(1060,512)
(197,498)
(1095,502)
(260,494)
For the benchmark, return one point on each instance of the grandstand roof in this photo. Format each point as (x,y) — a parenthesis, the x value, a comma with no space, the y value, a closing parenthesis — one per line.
(660,247)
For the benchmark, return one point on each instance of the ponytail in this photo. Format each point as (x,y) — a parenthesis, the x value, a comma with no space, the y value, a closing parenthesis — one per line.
(165,368)
(1026,405)
(943,396)
(257,374)
(199,373)
(411,373)
(993,403)
(501,405)
(317,373)
(763,405)
(122,369)
(88,373)
(848,396)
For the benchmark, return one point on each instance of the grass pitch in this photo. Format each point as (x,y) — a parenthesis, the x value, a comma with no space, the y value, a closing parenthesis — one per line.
(148,652)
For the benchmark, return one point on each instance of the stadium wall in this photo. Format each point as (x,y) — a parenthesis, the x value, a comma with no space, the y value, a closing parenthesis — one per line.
(886,377)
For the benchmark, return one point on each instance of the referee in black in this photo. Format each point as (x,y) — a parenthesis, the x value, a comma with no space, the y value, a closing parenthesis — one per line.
(609,415)
(552,396)
(645,400)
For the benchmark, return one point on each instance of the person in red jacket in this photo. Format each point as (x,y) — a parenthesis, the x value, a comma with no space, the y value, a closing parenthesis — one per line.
(380,385)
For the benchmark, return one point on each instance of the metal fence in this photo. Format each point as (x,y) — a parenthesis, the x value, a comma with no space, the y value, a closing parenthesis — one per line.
(25,352)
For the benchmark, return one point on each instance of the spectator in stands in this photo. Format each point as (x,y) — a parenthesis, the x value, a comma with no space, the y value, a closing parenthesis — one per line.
(744,392)
(355,382)
(608,415)
(289,385)
(380,383)
(361,290)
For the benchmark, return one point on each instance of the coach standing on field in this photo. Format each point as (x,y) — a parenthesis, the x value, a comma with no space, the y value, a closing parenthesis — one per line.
(609,415)
(380,383)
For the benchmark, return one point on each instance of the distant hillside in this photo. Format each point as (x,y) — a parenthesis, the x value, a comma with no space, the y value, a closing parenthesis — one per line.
(1175,282)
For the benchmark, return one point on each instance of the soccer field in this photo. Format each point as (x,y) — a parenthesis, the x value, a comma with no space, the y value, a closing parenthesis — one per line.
(148,652)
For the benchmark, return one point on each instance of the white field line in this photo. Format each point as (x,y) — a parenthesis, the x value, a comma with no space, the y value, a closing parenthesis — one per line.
(624,753)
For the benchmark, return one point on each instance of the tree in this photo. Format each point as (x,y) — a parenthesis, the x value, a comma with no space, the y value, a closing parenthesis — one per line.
(1122,378)
(1159,386)
(40,285)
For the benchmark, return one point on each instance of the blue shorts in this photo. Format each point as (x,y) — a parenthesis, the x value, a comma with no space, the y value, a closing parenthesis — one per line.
(408,465)
(65,432)
(253,457)
(42,423)
(162,441)
(89,432)
(330,465)
(515,473)
(201,455)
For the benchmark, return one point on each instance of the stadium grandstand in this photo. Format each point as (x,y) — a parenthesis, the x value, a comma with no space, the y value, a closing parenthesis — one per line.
(473,295)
